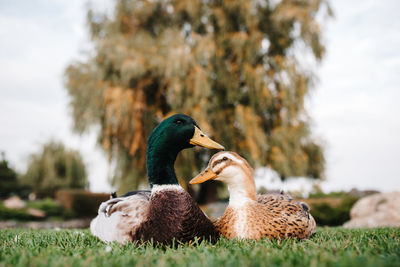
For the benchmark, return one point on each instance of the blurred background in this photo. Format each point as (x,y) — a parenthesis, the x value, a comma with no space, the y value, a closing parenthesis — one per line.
(306,91)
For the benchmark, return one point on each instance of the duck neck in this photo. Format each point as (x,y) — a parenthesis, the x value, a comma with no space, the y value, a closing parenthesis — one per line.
(160,165)
(242,189)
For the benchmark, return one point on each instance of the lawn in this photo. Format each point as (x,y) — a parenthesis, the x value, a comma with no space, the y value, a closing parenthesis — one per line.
(328,247)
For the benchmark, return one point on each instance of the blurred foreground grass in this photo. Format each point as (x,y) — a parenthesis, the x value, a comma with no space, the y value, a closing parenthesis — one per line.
(328,247)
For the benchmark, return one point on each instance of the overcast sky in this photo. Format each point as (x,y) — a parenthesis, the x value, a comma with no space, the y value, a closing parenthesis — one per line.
(354,105)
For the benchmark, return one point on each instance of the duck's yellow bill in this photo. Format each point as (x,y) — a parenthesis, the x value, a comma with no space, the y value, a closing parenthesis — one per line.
(200,139)
(205,175)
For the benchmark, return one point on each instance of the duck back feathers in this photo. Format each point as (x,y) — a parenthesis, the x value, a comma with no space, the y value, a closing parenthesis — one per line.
(166,214)
(173,214)
(118,217)
(272,216)
(294,214)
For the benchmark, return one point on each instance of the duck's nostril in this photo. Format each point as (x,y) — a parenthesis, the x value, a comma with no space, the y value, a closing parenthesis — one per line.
(202,135)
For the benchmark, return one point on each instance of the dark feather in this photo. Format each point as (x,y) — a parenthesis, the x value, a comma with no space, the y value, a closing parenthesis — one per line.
(174,215)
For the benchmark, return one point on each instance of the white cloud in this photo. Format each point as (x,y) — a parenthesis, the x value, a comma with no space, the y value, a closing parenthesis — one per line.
(39,39)
(355,106)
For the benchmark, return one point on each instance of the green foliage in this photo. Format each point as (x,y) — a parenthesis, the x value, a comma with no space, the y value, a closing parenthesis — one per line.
(333,215)
(55,167)
(321,194)
(14,214)
(8,179)
(328,247)
(232,65)
(81,203)
(50,207)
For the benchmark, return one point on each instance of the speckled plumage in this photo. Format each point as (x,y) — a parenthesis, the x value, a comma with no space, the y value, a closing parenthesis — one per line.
(272,216)
(255,216)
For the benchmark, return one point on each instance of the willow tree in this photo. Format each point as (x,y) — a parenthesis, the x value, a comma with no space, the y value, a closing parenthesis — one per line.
(55,167)
(232,65)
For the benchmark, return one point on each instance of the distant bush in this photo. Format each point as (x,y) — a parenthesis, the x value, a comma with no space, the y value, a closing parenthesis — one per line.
(55,167)
(50,207)
(9,184)
(80,202)
(69,204)
(320,194)
(329,213)
(14,214)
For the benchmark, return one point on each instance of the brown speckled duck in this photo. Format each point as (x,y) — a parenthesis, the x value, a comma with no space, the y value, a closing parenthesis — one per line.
(167,211)
(252,216)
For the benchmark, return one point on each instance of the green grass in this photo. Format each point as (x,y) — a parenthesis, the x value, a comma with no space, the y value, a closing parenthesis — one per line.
(328,247)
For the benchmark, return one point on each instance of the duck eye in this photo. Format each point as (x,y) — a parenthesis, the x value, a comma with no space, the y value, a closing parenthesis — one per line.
(178,121)
(224,158)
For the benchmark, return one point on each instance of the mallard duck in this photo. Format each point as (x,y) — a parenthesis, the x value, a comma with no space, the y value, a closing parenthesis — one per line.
(167,211)
(252,216)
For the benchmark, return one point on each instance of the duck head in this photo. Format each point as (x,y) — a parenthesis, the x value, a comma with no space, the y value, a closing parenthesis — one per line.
(233,170)
(165,142)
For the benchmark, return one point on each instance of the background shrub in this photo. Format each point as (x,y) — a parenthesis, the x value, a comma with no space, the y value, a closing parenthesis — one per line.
(50,207)
(81,203)
(15,214)
(331,211)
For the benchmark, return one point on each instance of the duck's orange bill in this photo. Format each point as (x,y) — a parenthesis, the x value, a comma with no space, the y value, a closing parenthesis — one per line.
(200,139)
(205,175)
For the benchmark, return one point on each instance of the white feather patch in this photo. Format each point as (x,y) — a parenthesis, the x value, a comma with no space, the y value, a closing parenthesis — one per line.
(129,213)
(157,188)
(241,224)
(107,228)
(229,156)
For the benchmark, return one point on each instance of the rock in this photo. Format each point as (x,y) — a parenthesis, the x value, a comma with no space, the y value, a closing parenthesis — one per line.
(32,196)
(377,210)
(36,213)
(14,202)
